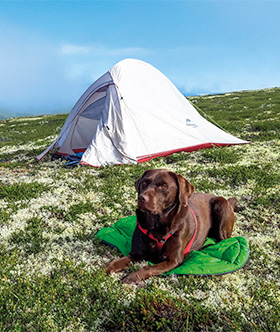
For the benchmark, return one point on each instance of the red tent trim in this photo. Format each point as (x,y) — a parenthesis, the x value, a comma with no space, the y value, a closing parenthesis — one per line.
(142,159)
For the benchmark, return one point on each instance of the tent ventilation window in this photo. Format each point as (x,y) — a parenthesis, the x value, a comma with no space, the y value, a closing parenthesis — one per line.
(87,124)
(94,110)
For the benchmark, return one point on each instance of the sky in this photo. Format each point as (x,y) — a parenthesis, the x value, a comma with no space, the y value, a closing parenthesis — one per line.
(51,51)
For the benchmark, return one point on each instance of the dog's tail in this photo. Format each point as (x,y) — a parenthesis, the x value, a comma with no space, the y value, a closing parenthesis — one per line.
(234,203)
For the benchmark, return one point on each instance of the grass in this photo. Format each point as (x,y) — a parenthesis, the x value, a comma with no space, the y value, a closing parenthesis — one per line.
(21,191)
(51,266)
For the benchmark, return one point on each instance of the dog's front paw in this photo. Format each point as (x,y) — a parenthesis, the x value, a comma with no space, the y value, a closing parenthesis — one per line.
(111,267)
(118,265)
(135,277)
(132,278)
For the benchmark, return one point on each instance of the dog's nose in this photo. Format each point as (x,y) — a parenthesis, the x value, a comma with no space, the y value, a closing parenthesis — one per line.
(142,198)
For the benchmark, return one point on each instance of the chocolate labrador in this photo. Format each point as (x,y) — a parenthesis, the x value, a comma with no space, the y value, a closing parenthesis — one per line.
(172,220)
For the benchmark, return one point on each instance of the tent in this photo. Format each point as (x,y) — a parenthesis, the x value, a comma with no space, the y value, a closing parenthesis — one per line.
(131,114)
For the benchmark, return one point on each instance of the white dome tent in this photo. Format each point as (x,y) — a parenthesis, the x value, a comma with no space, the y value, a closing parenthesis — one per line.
(131,114)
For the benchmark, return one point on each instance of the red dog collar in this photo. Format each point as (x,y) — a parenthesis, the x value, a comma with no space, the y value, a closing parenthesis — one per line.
(161,243)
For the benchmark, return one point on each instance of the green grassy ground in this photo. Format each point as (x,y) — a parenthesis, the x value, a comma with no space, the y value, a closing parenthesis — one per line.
(51,276)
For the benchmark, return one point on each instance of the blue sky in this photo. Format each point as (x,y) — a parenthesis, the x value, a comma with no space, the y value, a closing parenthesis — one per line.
(51,51)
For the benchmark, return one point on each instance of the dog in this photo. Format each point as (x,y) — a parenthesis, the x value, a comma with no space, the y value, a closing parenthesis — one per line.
(172,220)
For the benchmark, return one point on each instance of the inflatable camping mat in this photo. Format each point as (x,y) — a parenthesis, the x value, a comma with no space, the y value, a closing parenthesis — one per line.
(219,258)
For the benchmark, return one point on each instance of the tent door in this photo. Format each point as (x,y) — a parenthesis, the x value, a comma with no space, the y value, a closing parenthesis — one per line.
(87,124)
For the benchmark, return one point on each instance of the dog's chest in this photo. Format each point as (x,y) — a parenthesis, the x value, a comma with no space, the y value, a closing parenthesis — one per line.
(154,252)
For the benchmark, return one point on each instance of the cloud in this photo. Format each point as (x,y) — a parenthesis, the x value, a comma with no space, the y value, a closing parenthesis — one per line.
(102,50)
(38,75)
(70,49)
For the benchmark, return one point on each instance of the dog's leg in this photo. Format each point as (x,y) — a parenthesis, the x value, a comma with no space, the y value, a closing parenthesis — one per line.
(223,217)
(118,265)
(148,271)
(234,202)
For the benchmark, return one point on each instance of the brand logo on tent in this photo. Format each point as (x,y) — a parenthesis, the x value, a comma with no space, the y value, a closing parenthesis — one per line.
(189,123)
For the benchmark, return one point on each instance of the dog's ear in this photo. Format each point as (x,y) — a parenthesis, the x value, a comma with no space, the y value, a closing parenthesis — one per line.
(185,189)
(138,182)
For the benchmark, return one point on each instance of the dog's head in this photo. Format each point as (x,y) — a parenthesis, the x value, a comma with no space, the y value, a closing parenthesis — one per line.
(159,189)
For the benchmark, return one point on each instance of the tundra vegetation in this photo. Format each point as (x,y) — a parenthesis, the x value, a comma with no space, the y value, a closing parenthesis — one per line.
(51,265)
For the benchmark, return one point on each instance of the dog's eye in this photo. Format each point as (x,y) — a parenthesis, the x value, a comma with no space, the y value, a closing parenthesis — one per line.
(144,184)
(162,186)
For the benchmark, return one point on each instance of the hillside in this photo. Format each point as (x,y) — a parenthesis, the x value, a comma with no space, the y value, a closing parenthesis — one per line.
(251,115)
(51,264)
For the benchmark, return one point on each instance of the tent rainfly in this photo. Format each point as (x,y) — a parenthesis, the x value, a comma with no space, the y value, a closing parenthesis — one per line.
(131,114)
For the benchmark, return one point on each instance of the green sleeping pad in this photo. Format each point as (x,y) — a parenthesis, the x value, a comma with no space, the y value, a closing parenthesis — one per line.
(220,258)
